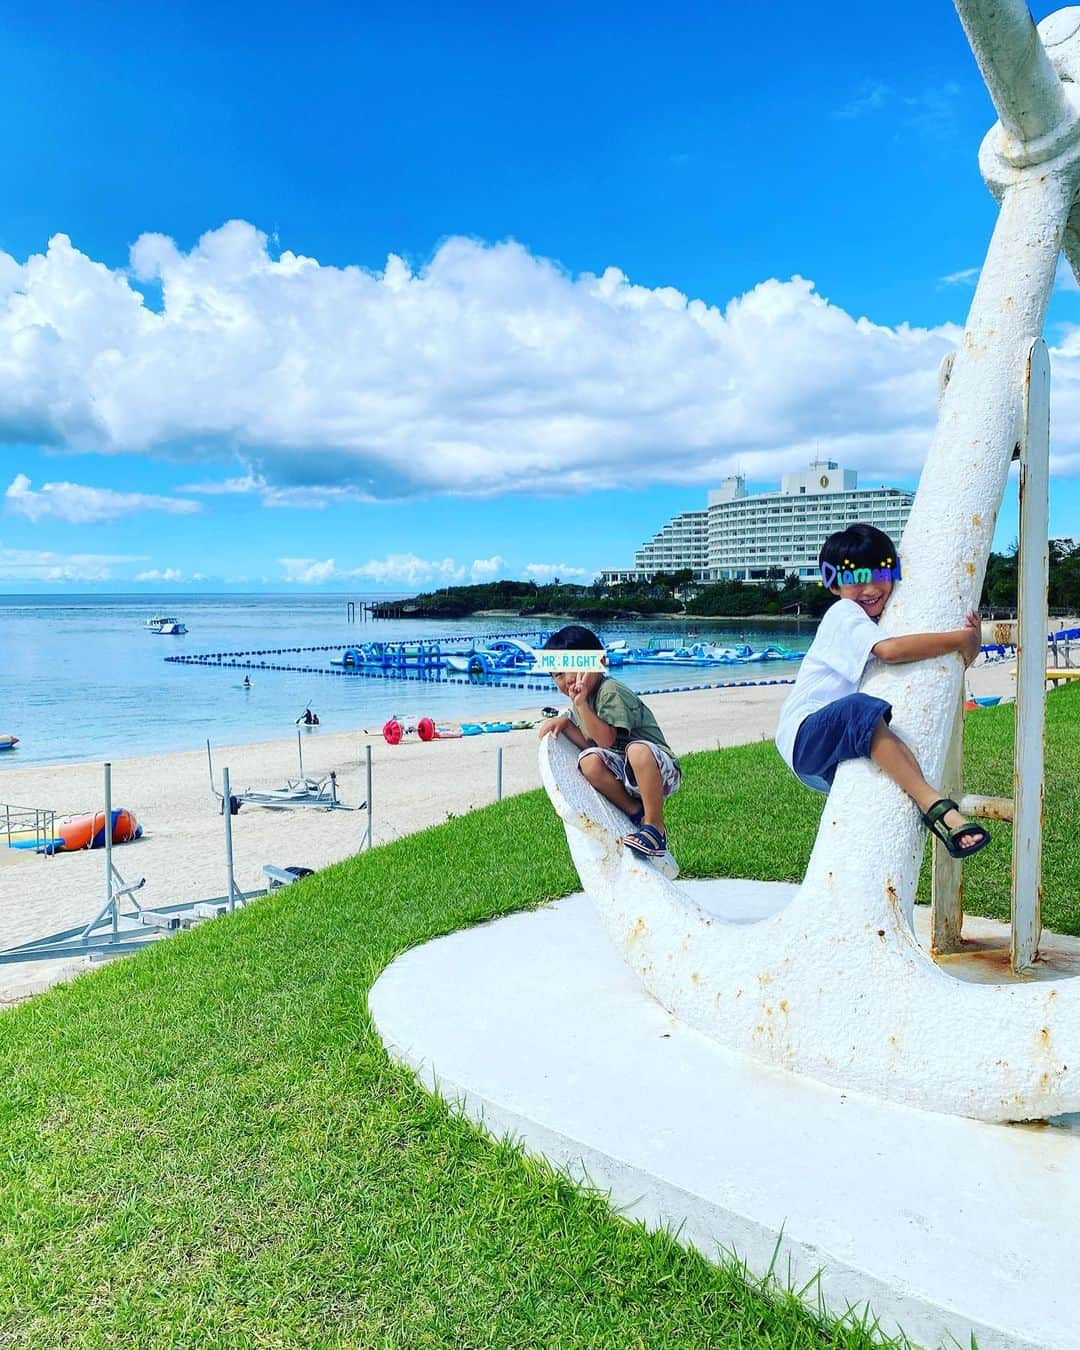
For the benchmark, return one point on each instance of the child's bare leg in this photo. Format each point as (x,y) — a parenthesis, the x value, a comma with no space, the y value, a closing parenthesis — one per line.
(650,784)
(605,782)
(894,758)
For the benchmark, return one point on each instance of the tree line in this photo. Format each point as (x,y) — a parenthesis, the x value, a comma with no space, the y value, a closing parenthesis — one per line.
(677,593)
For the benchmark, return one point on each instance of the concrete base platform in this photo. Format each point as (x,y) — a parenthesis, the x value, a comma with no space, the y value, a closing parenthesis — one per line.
(945,1226)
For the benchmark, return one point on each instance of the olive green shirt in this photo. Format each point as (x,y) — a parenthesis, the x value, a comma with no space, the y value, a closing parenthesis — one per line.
(621,708)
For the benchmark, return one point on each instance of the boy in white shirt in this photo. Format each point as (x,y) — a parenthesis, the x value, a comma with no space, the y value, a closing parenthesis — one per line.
(825,720)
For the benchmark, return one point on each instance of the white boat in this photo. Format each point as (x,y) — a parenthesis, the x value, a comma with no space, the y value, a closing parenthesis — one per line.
(166,625)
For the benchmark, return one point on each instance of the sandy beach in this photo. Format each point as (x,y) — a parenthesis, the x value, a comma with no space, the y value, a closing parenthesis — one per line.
(415,785)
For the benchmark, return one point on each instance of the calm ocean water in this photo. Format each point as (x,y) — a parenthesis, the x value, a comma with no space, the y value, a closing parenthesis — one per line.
(81,678)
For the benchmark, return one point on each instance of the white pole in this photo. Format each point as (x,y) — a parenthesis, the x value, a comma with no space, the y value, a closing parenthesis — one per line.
(947,880)
(1032,585)
(227,807)
(108,851)
(367,749)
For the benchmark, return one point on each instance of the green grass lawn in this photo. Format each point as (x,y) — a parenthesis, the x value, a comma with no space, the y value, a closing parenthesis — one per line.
(205,1145)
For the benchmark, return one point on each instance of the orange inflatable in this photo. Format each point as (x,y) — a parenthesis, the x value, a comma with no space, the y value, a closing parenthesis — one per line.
(89,831)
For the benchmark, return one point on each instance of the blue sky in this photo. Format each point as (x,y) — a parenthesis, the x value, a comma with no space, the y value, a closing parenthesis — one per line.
(212,377)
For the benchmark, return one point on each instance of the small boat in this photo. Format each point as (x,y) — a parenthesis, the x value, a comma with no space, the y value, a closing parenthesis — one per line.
(8,742)
(166,625)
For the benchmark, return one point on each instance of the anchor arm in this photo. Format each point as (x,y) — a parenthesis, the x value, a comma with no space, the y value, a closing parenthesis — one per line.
(1025,89)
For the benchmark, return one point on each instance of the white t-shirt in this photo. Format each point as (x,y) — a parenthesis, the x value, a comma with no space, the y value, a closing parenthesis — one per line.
(831,669)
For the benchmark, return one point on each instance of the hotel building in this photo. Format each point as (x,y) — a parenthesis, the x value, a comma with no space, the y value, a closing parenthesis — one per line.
(742,536)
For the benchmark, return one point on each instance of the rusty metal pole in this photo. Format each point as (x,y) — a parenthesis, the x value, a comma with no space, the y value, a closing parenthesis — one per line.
(947,873)
(1032,586)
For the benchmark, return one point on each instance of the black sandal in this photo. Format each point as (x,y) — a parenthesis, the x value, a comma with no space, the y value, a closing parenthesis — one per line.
(934,821)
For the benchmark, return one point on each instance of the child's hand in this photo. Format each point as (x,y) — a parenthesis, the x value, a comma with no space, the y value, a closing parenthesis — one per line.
(577,690)
(554,726)
(972,641)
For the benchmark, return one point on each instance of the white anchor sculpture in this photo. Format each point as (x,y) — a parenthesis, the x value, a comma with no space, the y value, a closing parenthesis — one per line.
(831,982)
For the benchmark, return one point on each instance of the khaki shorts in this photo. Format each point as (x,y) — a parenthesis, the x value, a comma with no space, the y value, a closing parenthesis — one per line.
(619,765)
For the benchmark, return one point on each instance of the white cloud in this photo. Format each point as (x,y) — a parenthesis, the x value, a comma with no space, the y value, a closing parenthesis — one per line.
(309,571)
(967,276)
(80,505)
(488,370)
(225,487)
(484,569)
(310,498)
(407,568)
(931,112)
(548,571)
(872,98)
(165,574)
(23,564)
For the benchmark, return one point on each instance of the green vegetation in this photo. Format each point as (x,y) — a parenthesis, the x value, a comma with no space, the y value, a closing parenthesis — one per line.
(526,598)
(776,595)
(780,595)
(205,1144)
(678,593)
(999,586)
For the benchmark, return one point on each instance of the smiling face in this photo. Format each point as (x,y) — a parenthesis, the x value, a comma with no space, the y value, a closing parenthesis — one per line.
(870,596)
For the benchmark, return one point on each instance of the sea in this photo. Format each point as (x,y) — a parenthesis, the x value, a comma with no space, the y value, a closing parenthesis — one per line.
(82,678)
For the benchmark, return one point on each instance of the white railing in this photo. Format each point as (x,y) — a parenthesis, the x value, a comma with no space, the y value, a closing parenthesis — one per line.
(19,825)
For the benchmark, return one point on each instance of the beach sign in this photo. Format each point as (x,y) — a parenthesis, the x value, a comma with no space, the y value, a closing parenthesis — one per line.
(569,662)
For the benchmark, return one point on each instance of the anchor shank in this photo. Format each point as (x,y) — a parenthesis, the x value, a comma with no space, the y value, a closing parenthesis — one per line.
(1024,86)
(945,547)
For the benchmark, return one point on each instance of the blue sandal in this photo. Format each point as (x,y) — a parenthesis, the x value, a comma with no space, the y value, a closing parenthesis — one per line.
(648,841)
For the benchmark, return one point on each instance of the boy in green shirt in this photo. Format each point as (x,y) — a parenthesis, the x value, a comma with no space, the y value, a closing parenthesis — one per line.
(623,751)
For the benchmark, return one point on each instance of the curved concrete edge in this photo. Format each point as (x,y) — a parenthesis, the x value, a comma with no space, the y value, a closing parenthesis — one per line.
(532,1027)
(826,985)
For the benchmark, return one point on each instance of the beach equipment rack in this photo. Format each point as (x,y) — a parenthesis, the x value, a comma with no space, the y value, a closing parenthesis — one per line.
(113,932)
(320,793)
(29,827)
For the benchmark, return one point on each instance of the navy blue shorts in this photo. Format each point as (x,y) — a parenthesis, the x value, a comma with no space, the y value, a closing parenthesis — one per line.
(839,731)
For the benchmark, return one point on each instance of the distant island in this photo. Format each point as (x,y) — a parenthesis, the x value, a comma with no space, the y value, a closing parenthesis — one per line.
(672,594)
(677,594)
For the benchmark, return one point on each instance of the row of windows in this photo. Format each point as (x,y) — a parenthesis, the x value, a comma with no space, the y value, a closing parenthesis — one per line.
(766,530)
(839,502)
